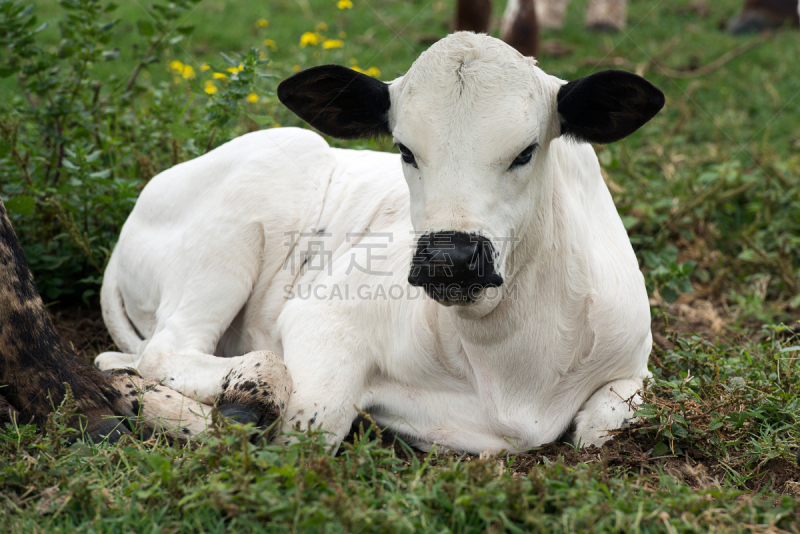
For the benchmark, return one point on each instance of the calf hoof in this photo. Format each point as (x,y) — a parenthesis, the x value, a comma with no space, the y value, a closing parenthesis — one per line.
(110,429)
(257,391)
(239,413)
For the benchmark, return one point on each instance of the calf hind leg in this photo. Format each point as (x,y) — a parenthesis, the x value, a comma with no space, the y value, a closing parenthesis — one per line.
(253,387)
(153,408)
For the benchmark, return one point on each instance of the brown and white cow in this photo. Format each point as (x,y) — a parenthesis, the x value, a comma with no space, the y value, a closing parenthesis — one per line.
(522,19)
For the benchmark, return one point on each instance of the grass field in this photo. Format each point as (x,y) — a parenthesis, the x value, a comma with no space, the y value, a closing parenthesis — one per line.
(709,191)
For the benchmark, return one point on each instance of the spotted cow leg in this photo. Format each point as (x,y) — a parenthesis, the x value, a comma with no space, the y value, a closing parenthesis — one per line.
(152,408)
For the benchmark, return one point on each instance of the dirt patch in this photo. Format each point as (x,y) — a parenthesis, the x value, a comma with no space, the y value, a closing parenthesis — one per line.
(632,452)
(82,328)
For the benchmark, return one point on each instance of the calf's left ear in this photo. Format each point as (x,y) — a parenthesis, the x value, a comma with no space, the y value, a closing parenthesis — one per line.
(338,101)
(607,106)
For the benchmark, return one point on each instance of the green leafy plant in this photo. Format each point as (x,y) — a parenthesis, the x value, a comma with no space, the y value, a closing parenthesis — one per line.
(77,147)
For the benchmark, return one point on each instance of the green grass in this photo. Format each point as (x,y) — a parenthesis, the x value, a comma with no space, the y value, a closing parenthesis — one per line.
(709,191)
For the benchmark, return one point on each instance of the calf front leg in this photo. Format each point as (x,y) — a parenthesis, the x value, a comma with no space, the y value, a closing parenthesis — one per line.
(331,362)
(253,388)
(609,408)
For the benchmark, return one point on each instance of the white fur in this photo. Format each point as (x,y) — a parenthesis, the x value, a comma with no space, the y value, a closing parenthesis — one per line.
(203,269)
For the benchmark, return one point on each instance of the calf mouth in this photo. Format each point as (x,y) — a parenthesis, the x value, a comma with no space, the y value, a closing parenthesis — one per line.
(455,294)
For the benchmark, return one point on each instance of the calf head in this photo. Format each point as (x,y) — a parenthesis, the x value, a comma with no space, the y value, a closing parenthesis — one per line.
(473,120)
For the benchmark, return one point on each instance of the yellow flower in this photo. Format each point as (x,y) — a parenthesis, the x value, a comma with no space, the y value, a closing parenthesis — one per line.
(176,66)
(342,35)
(297,68)
(372,71)
(262,23)
(252,98)
(219,76)
(176,79)
(355,68)
(204,67)
(188,71)
(309,38)
(353,61)
(209,87)
(270,43)
(233,70)
(262,56)
(332,43)
(276,125)
(344,4)
(321,27)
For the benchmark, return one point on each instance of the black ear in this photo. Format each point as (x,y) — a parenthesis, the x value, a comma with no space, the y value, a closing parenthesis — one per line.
(338,101)
(607,106)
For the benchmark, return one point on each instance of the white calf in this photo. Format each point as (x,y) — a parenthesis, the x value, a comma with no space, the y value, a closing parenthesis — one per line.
(479,291)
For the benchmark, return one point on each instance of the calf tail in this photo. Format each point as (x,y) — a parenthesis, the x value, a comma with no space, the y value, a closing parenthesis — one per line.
(119,325)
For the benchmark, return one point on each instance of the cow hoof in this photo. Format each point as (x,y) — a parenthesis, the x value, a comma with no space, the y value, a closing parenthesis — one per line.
(264,422)
(256,390)
(753,22)
(109,429)
(240,413)
(603,27)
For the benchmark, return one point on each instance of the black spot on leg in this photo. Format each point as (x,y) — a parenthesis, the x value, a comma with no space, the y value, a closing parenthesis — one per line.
(135,406)
(168,396)
(226,381)
(258,365)
(129,386)
(247,386)
(186,431)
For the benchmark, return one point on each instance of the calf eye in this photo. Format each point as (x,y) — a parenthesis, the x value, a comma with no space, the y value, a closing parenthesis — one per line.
(406,154)
(524,157)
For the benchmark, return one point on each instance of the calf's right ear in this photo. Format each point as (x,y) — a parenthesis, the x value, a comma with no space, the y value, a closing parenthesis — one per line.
(607,106)
(338,101)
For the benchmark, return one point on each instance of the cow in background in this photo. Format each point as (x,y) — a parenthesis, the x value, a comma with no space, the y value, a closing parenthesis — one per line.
(758,15)
(522,19)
